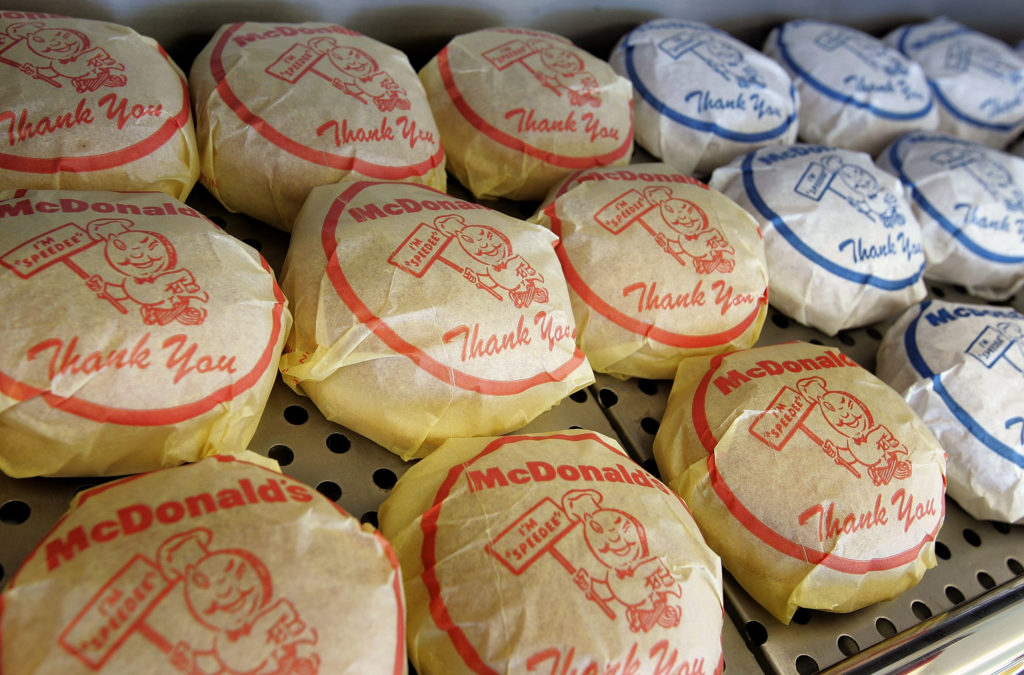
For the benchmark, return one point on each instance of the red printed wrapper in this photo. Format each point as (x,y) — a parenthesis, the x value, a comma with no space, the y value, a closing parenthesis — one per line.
(283,108)
(551,553)
(220,566)
(660,267)
(814,481)
(420,317)
(90,105)
(137,334)
(520,109)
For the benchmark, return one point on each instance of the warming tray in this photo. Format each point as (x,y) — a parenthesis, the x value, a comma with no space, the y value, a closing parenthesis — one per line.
(966,614)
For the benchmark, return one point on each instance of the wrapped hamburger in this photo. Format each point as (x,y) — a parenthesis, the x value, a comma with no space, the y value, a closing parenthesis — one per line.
(420,317)
(521,109)
(961,368)
(660,267)
(855,91)
(843,245)
(551,553)
(216,567)
(812,479)
(969,199)
(702,97)
(282,108)
(90,105)
(137,334)
(978,81)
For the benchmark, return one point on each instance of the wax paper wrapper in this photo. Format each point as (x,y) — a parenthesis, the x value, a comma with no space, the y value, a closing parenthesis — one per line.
(91,105)
(701,97)
(969,200)
(551,553)
(420,317)
(521,109)
(856,92)
(844,247)
(978,81)
(219,566)
(813,480)
(283,108)
(961,368)
(137,334)
(660,267)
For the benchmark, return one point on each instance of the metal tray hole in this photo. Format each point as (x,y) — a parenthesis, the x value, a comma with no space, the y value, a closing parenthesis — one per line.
(218,221)
(651,467)
(802,616)
(873,333)
(338,443)
(607,397)
(805,665)
(580,396)
(780,320)
(255,243)
(1002,528)
(650,425)
(14,512)
(921,610)
(971,537)
(369,518)
(329,489)
(954,595)
(938,291)
(756,633)
(296,414)
(281,454)
(649,387)
(385,479)
(942,551)
(885,627)
(847,645)
(1015,566)
(986,581)
(846,337)
(816,341)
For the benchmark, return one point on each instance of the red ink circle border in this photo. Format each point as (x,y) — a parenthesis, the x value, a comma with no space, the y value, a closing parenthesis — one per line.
(115,158)
(518,144)
(155,417)
(293,147)
(392,339)
(765,533)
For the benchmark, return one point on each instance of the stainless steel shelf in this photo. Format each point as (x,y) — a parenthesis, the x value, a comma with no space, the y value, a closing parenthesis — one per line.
(971,605)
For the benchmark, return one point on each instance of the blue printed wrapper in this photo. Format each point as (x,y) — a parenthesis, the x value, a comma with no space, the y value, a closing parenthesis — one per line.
(961,369)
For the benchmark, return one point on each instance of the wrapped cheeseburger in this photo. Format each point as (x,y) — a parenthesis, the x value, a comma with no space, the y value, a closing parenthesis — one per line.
(660,267)
(136,333)
(521,109)
(215,567)
(978,80)
(283,108)
(90,105)
(856,92)
(701,96)
(843,244)
(420,317)
(968,198)
(551,553)
(961,368)
(812,479)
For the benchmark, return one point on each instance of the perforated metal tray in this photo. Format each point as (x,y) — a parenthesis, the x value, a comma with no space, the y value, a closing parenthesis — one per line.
(980,573)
